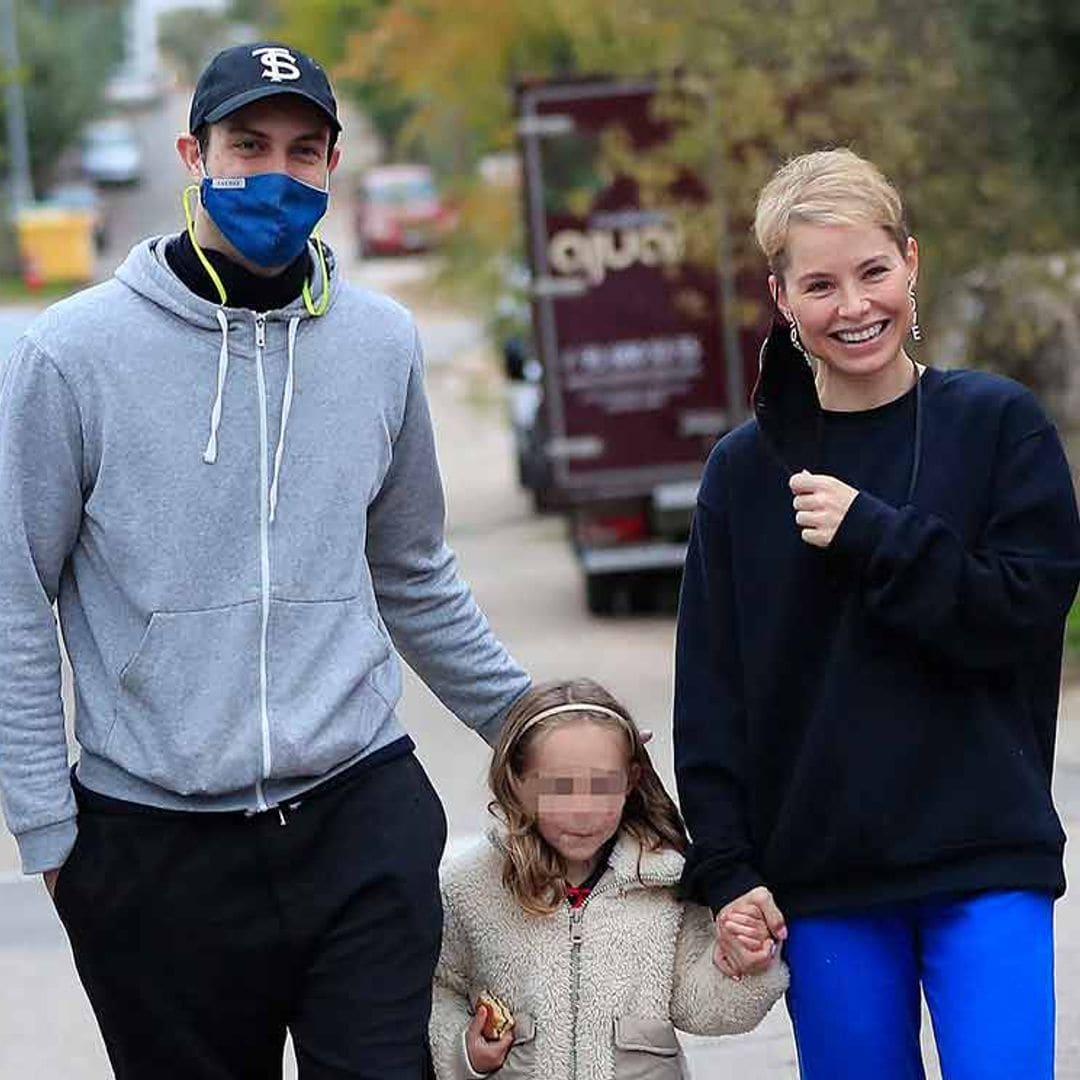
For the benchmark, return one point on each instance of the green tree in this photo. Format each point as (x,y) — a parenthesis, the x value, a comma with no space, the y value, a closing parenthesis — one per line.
(256,12)
(1032,51)
(189,36)
(326,30)
(63,79)
(900,83)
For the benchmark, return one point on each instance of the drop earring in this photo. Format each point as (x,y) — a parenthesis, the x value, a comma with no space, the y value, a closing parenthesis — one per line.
(916,333)
(795,340)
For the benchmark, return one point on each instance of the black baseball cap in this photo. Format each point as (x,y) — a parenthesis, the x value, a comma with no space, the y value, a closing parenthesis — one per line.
(245,73)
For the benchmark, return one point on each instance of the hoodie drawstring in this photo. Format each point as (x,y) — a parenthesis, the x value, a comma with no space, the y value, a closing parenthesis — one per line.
(210,453)
(286,408)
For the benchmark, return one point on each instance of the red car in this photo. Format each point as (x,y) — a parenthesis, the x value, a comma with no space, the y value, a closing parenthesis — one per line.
(400,210)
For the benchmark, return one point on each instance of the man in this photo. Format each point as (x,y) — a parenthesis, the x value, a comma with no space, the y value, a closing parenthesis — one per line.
(220,464)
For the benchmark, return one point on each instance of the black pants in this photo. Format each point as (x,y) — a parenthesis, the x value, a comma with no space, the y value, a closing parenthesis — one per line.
(201,938)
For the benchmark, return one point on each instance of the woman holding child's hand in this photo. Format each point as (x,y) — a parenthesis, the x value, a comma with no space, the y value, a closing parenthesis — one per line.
(868,664)
(748,933)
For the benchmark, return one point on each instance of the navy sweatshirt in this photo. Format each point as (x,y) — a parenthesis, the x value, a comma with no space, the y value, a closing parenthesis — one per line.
(875,721)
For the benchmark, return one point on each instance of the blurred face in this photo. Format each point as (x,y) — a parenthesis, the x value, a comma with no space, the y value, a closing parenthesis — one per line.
(847,288)
(576,780)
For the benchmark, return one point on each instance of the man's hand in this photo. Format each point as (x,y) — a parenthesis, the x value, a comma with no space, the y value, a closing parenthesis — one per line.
(486,1055)
(49,877)
(821,502)
(747,931)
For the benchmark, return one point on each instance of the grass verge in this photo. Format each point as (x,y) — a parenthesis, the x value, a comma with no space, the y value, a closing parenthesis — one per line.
(13,290)
(1072,644)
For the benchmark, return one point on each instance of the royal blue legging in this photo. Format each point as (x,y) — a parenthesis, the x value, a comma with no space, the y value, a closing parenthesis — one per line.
(985,963)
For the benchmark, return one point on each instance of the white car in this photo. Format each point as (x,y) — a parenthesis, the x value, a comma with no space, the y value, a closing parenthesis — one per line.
(111,153)
(128,89)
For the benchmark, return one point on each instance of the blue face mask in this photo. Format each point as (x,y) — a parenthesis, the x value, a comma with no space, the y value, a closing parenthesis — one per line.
(267,217)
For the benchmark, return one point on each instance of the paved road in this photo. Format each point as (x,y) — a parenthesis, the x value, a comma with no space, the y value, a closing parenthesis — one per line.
(522,572)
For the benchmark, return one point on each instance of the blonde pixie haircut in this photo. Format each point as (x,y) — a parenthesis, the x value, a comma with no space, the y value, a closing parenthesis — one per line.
(825,187)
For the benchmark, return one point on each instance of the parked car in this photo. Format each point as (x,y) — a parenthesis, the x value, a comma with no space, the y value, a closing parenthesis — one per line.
(129,89)
(400,210)
(111,153)
(510,327)
(80,195)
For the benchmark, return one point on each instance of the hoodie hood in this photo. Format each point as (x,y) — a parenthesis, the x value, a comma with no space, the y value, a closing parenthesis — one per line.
(146,272)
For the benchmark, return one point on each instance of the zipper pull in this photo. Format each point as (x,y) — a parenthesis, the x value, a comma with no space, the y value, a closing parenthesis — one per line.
(260,331)
(281,816)
(576,936)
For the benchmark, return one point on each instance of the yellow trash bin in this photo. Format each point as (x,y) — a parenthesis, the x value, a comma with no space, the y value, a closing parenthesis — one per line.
(56,244)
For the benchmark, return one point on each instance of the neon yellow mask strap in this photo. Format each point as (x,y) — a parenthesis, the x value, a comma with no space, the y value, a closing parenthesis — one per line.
(198,250)
(309,302)
(324,299)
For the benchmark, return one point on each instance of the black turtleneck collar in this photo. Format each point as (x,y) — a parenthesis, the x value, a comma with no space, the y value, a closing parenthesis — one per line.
(243,289)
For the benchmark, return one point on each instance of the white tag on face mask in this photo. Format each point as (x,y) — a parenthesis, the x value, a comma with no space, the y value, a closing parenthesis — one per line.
(228,182)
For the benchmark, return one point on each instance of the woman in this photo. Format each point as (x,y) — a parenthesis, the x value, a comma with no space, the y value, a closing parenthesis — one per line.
(868,663)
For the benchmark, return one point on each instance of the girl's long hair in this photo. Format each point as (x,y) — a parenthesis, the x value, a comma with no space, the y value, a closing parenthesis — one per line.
(533,871)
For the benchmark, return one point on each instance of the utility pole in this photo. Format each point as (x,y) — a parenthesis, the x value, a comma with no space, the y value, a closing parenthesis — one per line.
(22,190)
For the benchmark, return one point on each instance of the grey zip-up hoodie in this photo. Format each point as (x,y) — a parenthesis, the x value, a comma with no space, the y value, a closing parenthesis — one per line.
(240,517)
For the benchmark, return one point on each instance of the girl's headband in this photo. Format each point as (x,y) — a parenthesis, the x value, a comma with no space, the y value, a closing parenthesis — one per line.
(573,706)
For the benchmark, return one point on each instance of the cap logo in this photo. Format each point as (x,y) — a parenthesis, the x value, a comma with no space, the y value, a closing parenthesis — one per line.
(280,64)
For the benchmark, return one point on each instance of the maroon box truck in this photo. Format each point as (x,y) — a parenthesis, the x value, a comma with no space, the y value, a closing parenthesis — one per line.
(641,373)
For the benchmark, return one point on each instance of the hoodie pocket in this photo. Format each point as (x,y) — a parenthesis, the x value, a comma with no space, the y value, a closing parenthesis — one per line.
(520,1063)
(646,1049)
(187,706)
(333,682)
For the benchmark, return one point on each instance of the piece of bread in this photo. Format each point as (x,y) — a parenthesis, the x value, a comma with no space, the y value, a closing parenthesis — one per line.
(498,1017)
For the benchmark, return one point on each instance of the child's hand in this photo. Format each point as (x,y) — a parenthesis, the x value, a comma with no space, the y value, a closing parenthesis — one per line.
(486,1055)
(747,932)
(735,958)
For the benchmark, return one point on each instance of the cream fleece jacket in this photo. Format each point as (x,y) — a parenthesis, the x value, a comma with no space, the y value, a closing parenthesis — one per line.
(596,993)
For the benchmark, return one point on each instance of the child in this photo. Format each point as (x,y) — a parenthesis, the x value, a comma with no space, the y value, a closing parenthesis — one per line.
(566,914)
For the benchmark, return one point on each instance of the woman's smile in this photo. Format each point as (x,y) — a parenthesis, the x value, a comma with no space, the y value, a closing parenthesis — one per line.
(861,335)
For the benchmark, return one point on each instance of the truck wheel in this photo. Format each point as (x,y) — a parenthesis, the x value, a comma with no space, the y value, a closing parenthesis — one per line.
(543,500)
(657,593)
(609,594)
(669,594)
(600,594)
